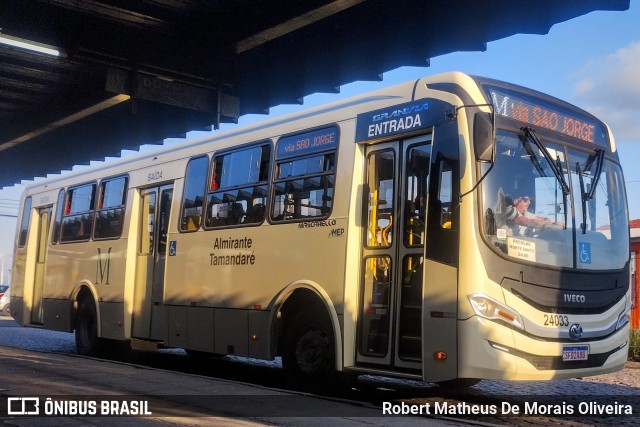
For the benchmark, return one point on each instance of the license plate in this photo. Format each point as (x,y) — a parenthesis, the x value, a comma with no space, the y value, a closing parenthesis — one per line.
(575,353)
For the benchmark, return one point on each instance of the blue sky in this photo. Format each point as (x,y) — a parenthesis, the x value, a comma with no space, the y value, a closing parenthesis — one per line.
(592,61)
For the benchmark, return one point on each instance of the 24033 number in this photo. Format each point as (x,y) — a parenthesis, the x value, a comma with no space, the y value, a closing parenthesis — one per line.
(556,320)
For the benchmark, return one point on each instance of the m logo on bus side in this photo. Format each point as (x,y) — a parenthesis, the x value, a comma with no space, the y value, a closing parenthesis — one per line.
(102,269)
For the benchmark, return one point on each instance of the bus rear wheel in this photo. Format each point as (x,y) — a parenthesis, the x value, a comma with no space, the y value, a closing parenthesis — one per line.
(86,328)
(309,352)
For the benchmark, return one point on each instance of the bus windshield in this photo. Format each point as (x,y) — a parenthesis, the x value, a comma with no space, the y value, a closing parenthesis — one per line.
(564,207)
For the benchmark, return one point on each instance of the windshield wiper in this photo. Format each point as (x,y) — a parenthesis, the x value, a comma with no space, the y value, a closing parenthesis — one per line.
(532,155)
(554,165)
(598,156)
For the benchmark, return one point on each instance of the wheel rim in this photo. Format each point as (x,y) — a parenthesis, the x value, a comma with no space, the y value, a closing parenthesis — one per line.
(312,351)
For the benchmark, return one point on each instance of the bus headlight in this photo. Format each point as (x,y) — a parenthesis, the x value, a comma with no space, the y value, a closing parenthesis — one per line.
(491,309)
(624,318)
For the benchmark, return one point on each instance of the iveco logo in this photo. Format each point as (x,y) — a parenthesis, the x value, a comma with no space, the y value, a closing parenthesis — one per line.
(575,331)
(575,298)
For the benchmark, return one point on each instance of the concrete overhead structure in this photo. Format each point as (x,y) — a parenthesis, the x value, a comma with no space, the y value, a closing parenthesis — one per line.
(129,73)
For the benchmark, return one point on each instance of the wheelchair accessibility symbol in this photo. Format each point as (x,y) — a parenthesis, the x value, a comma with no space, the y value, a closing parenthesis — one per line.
(172,248)
(584,252)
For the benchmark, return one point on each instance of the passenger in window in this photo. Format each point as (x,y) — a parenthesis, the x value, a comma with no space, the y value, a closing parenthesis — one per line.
(236,214)
(80,233)
(255,214)
(522,222)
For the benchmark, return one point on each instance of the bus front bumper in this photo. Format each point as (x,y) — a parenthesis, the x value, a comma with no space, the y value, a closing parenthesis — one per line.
(489,350)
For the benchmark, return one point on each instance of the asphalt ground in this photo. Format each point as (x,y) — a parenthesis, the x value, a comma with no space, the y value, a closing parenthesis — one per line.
(38,363)
(69,390)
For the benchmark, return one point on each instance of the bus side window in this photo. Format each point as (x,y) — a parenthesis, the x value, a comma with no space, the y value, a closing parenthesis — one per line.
(443,219)
(79,211)
(305,174)
(110,214)
(417,167)
(57,225)
(445,195)
(443,222)
(24,224)
(193,195)
(166,196)
(239,186)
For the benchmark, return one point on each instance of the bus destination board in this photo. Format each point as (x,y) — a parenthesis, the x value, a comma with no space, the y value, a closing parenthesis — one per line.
(307,143)
(544,114)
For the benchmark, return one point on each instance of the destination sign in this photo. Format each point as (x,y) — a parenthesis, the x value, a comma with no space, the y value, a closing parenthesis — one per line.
(402,119)
(394,120)
(307,143)
(544,114)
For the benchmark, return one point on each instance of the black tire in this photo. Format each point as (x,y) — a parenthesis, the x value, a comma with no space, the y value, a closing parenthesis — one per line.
(309,351)
(86,325)
(459,383)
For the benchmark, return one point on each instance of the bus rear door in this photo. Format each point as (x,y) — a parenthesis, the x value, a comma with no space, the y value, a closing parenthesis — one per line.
(149,315)
(44,220)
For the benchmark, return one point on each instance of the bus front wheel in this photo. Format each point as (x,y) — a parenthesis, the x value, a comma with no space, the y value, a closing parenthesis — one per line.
(309,352)
(86,326)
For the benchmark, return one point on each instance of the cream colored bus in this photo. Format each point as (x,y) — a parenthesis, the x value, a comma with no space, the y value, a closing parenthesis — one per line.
(448,229)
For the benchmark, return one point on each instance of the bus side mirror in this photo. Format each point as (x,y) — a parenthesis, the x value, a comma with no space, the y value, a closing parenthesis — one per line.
(484,137)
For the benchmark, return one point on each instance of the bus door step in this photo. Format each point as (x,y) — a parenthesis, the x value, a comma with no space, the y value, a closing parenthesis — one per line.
(138,344)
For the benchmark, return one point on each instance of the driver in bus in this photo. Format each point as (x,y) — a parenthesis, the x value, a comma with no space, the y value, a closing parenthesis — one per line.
(522,222)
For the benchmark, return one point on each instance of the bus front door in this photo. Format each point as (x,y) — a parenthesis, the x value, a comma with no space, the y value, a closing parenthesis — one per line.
(149,315)
(44,216)
(390,309)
